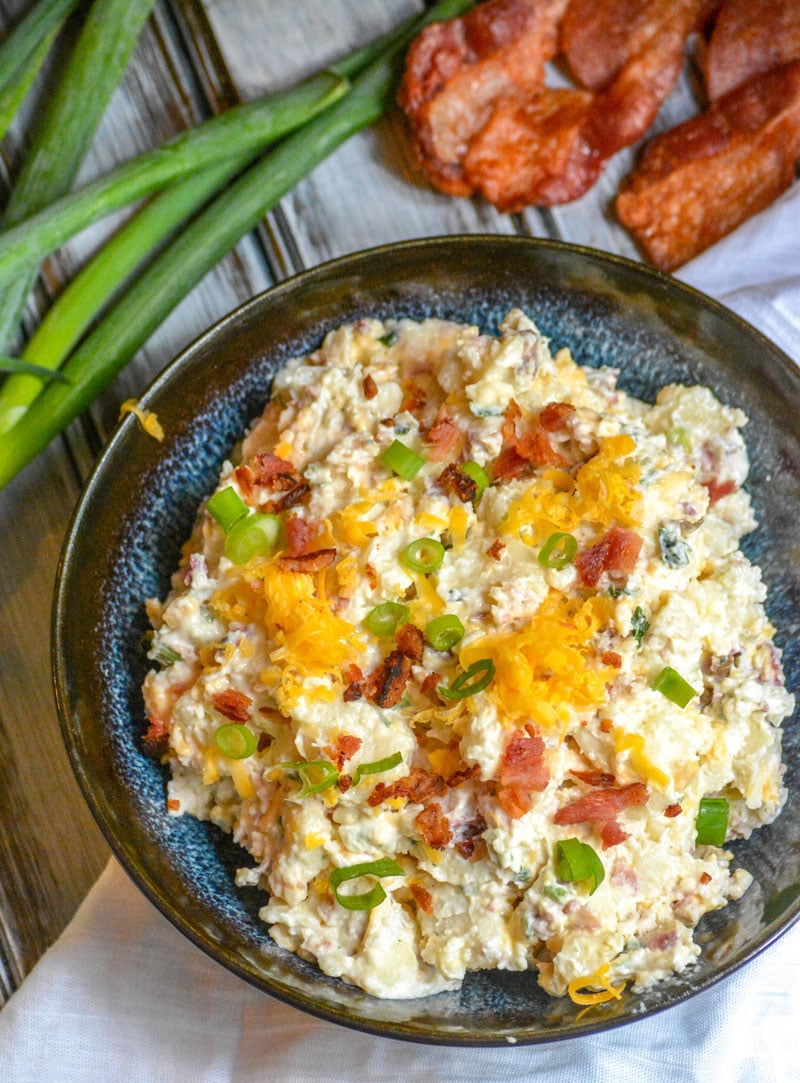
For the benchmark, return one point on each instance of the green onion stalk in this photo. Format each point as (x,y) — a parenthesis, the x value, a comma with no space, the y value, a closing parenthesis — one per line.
(72,116)
(177,269)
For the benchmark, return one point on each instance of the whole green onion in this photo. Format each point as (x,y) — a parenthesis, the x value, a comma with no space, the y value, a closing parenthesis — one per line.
(712,821)
(257,535)
(385,618)
(227,507)
(423,555)
(378,766)
(444,632)
(576,861)
(479,476)
(131,321)
(402,460)
(368,900)
(307,769)
(235,741)
(473,680)
(558,551)
(670,684)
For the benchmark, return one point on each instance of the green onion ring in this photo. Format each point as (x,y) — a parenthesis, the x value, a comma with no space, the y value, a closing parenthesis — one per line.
(423,555)
(670,684)
(257,535)
(235,741)
(479,676)
(386,618)
(558,551)
(576,861)
(712,821)
(402,460)
(375,768)
(444,632)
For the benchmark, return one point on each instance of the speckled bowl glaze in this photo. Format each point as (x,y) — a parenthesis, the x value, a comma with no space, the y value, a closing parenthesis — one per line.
(140,504)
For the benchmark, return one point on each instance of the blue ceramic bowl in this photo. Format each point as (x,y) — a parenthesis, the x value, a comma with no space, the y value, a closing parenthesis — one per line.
(140,504)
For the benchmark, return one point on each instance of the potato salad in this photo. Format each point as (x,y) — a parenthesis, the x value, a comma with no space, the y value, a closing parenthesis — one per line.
(464,653)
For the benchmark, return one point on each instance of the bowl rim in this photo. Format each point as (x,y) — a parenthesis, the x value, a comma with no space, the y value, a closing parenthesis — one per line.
(652,278)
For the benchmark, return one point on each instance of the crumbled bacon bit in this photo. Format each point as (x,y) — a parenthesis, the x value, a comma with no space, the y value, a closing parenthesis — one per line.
(267,468)
(523,762)
(296,495)
(442,436)
(352,693)
(308,562)
(156,738)
(232,704)
(410,642)
(705,878)
(386,685)
(299,533)
(495,549)
(606,725)
(422,897)
(466,834)
(555,415)
(508,465)
(354,678)
(611,834)
(718,489)
(430,687)
(514,800)
(673,810)
(370,387)
(454,480)
(346,747)
(615,553)
(415,398)
(344,782)
(602,807)
(434,826)
(372,576)
(418,786)
(595,778)
(611,658)
(464,775)
(244,479)
(173,804)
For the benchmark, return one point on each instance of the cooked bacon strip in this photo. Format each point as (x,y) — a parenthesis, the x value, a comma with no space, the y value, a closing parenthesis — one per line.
(296,495)
(595,778)
(410,642)
(457,71)
(750,36)
(700,180)
(434,826)
(369,387)
(299,533)
(386,685)
(346,747)
(156,737)
(442,436)
(523,762)
(418,786)
(615,553)
(234,705)
(599,36)
(453,480)
(600,806)
(422,897)
(308,562)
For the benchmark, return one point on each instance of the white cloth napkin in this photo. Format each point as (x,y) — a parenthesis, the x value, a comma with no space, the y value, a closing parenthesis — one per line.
(122,997)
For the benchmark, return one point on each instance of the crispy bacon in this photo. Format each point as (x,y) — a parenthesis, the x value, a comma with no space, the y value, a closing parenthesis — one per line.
(457,71)
(453,480)
(672,810)
(385,687)
(410,642)
(269,469)
(422,897)
(495,550)
(369,387)
(718,489)
(615,553)
(232,704)
(508,465)
(611,834)
(611,658)
(515,800)
(532,444)
(700,180)
(344,782)
(418,786)
(466,774)
(308,562)
(555,415)
(434,826)
(346,747)
(595,778)
(602,807)
(705,878)
(750,36)
(299,533)
(442,436)
(523,762)
(156,737)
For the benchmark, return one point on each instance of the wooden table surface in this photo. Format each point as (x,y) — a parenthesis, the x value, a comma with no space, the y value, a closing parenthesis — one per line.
(194,59)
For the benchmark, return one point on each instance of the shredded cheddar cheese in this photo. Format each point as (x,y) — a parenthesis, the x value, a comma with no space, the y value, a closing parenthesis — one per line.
(147,419)
(606,990)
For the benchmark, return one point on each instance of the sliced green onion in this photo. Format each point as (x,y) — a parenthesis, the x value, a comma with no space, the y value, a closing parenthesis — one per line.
(444,632)
(558,551)
(402,460)
(385,618)
(576,861)
(377,766)
(712,821)
(423,555)
(227,507)
(368,900)
(479,676)
(256,536)
(679,435)
(478,475)
(388,339)
(167,656)
(670,684)
(306,769)
(639,625)
(235,741)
